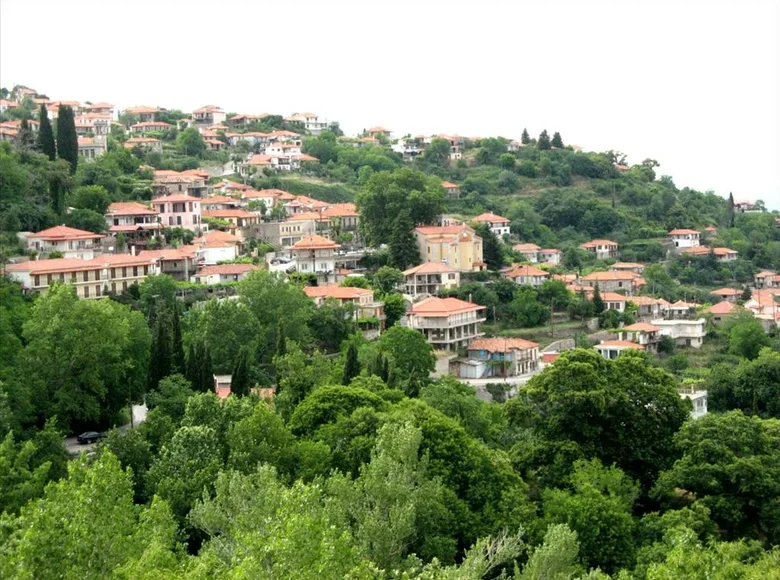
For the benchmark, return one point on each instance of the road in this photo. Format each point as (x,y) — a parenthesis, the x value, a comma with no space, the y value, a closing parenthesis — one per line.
(73,447)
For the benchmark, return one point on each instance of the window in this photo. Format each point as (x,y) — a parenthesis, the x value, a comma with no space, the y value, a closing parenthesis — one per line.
(48,279)
(37,280)
(86,291)
(146,270)
(124,272)
(62,277)
(97,290)
(178,220)
(135,271)
(113,287)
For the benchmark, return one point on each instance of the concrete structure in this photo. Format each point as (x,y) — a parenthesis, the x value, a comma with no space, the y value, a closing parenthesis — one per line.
(498,357)
(604,249)
(316,255)
(92,278)
(455,246)
(683,238)
(698,398)
(179,210)
(646,335)
(225,273)
(70,242)
(684,332)
(498,225)
(429,279)
(447,323)
(530,252)
(527,275)
(611,349)
(550,256)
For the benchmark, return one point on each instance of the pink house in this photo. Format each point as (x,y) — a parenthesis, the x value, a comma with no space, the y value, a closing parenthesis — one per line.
(178,210)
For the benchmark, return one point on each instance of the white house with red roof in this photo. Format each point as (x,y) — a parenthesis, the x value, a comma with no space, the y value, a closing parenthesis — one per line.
(685,332)
(179,210)
(451,189)
(530,252)
(447,323)
(604,249)
(721,254)
(71,242)
(497,224)
(642,333)
(209,115)
(135,220)
(620,281)
(684,238)
(429,279)
(361,300)
(550,256)
(315,254)
(527,275)
(150,127)
(611,349)
(498,357)
(225,273)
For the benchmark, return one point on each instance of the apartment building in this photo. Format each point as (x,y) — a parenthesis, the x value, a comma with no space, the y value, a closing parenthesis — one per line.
(498,357)
(179,210)
(447,323)
(429,279)
(314,254)
(684,332)
(70,242)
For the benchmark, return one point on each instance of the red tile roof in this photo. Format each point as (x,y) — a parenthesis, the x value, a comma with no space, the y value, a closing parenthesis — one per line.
(525,271)
(489,217)
(501,344)
(683,232)
(526,248)
(129,208)
(726,292)
(619,344)
(315,242)
(227,269)
(724,307)
(641,327)
(62,233)
(175,198)
(337,292)
(442,307)
(430,268)
(594,243)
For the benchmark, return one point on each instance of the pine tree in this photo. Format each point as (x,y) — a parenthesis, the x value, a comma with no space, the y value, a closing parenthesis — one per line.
(25,138)
(46,135)
(544,140)
(731,210)
(205,370)
(557,141)
(281,339)
(351,365)
(525,138)
(403,244)
(67,140)
(160,355)
(177,348)
(598,302)
(239,382)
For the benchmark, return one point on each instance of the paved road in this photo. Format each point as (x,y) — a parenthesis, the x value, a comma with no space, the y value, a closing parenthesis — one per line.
(73,447)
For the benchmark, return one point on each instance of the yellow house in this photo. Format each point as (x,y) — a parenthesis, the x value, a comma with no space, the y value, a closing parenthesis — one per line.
(456,246)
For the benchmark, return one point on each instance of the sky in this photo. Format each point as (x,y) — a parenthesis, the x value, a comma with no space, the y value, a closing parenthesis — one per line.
(695,86)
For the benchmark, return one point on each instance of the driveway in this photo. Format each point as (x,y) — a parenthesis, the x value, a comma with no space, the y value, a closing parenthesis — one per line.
(74,448)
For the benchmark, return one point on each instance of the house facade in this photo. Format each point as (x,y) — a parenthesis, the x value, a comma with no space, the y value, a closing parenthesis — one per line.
(70,242)
(527,275)
(429,279)
(611,349)
(179,210)
(456,246)
(684,332)
(315,254)
(604,249)
(499,357)
(224,273)
(683,238)
(628,283)
(447,323)
(497,224)
(530,252)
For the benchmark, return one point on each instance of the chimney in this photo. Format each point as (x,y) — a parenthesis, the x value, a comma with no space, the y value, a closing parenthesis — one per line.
(469,297)
(132,250)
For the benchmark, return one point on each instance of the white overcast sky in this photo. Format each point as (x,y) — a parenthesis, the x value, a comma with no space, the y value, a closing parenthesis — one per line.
(695,86)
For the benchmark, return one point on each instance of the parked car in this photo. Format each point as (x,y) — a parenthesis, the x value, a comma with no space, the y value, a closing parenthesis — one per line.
(90,437)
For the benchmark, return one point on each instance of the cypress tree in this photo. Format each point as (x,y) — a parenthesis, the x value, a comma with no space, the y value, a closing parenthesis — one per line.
(25,138)
(385,375)
(192,366)
(731,210)
(239,382)
(544,140)
(67,140)
(557,141)
(598,302)
(351,365)
(525,138)
(205,370)
(177,348)
(46,135)
(160,355)
(281,339)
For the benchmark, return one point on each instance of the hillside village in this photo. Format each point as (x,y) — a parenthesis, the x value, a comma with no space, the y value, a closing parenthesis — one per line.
(266,253)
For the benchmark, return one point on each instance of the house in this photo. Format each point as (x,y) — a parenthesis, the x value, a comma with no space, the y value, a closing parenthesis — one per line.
(642,333)
(627,282)
(684,332)
(611,349)
(498,357)
(100,109)
(213,236)
(527,275)
(550,256)
(721,254)
(634,267)
(85,123)
(648,307)
(137,222)
(764,302)
(179,210)
(697,396)
(721,311)
(681,310)
(377,131)
(614,301)
(91,278)
(5,105)
(728,294)
(766,279)
(314,254)
(455,246)
(710,230)
(219,202)
(604,249)
(95,146)
(429,279)
(530,252)
(244,120)
(70,242)
(150,127)
(178,263)
(452,190)
(237,218)
(309,121)
(173,182)
(745,205)
(224,273)
(366,141)
(147,144)
(144,114)
(213,144)
(683,238)
(209,115)
(367,311)
(497,224)
(447,323)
